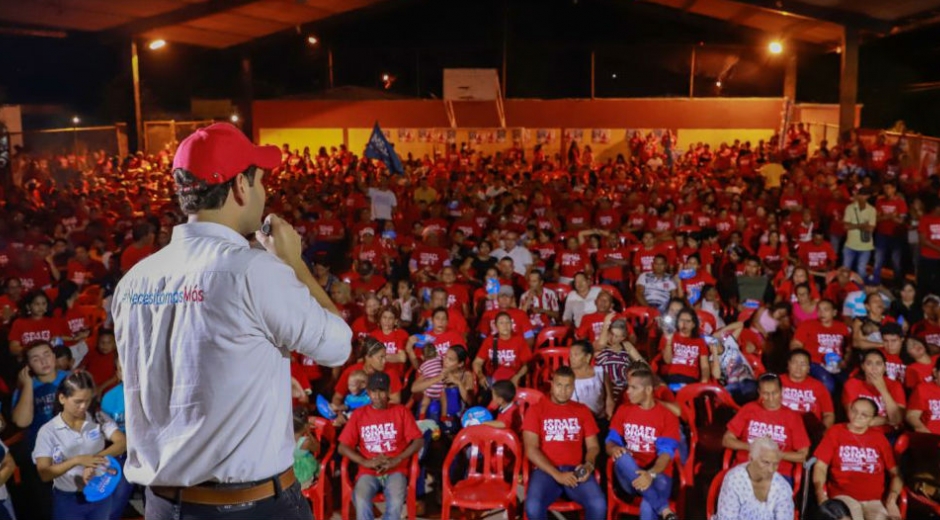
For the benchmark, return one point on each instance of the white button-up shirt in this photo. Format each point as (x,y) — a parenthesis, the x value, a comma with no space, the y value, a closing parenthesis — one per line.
(60,443)
(204,331)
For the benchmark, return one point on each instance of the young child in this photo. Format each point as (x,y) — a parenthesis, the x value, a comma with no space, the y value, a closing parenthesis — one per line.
(357,396)
(112,405)
(432,366)
(306,465)
(100,360)
(63,359)
(507,411)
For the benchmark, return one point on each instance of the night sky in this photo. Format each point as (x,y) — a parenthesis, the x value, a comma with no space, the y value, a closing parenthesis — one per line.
(646,46)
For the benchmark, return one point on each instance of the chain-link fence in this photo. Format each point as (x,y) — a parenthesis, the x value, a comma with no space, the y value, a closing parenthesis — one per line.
(161,135)
(73,141)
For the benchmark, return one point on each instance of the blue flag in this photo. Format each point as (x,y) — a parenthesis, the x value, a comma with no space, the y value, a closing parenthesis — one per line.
(379,148)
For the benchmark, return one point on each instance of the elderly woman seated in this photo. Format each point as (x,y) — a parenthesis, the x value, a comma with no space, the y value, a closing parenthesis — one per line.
(754,490)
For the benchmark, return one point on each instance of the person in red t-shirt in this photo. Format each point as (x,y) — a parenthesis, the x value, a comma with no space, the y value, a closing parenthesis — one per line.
(804,394)
(394,339)
(928,267)
(440,335)
(10,301)
(890,237)
(769,418)
(373,361)
(100,361)
(871,383)
(826,340)
(508,412)
(643,439)
(381,439)
(37,326)
(561,443)
(921,368)
(685,352)
(505,356)
(923,411)
(143,246)
(851,466)
(521,323)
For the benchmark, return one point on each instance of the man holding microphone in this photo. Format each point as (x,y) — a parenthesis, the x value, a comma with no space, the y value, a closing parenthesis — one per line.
(205,328)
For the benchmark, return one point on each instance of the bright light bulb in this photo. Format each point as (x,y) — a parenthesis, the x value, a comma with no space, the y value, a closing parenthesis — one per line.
(312,40)
(234,118)
(76,120)
(718,83)
(775,47)
(384,77)
(157,44)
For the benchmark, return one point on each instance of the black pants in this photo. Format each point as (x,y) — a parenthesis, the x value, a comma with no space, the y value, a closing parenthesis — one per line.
(288,504)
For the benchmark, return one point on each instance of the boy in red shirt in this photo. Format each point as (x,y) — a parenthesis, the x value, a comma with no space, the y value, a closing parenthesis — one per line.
(643,439)
(827,342)
(508,413)
(769,418)
(561,443)
(380,439)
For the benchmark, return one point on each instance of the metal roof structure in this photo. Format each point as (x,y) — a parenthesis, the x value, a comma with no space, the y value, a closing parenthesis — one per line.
(815,21)
(206,23)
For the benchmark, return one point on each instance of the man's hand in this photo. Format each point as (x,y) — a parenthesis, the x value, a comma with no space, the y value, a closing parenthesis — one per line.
(643,481)
(617,451)
(25,380)
(894,513)
(283,242)
(567,479)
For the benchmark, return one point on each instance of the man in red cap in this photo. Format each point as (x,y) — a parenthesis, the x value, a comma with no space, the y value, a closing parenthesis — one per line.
(202,320)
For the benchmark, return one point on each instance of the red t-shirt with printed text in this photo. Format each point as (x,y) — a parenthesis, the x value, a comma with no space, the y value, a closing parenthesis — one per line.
(381,432)
(783,426)
(806,396)
(562,429)
(820,340)
(640,428)
(857,462)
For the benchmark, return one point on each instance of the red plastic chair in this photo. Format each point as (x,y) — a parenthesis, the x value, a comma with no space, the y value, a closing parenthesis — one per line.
(561,289)
(714,397)
(411,500)
(643,319)
(320,494)
(615,292)
(616,506)
(526,397)
(486,486)
(555,336)
(900,447)
(547,360)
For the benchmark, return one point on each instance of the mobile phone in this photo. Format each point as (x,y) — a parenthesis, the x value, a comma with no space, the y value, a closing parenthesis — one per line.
(266,228)
(580,472)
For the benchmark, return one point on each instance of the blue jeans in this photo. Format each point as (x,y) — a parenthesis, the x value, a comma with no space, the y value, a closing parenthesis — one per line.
(544,491)
(828,379)
(856,260)
(394,487)
(122,494)
(73,506)
(885,244)
(655,498)
(6,510)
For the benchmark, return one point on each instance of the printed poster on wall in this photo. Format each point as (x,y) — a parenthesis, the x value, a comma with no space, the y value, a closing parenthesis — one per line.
(928,157)
(520,135)
(574,134)
(545,136)
(437,136)
(424,136)
(406,135)
(600,135)
(501,136)
(451,136)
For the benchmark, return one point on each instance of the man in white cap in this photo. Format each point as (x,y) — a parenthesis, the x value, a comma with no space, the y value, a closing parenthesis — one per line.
(205,328)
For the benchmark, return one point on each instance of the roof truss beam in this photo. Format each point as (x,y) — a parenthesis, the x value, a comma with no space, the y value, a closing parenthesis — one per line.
(174,17)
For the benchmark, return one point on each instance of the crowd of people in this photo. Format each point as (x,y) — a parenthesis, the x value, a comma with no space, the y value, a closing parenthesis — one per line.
(801,278)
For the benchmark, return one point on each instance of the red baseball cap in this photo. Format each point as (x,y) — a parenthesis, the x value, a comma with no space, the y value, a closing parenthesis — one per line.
(219,152)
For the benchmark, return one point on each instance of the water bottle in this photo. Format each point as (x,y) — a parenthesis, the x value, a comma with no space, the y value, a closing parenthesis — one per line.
(57,342)
(492,286)
(832,360)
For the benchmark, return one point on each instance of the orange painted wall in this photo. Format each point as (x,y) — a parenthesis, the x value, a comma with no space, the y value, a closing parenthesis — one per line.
(565,113)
